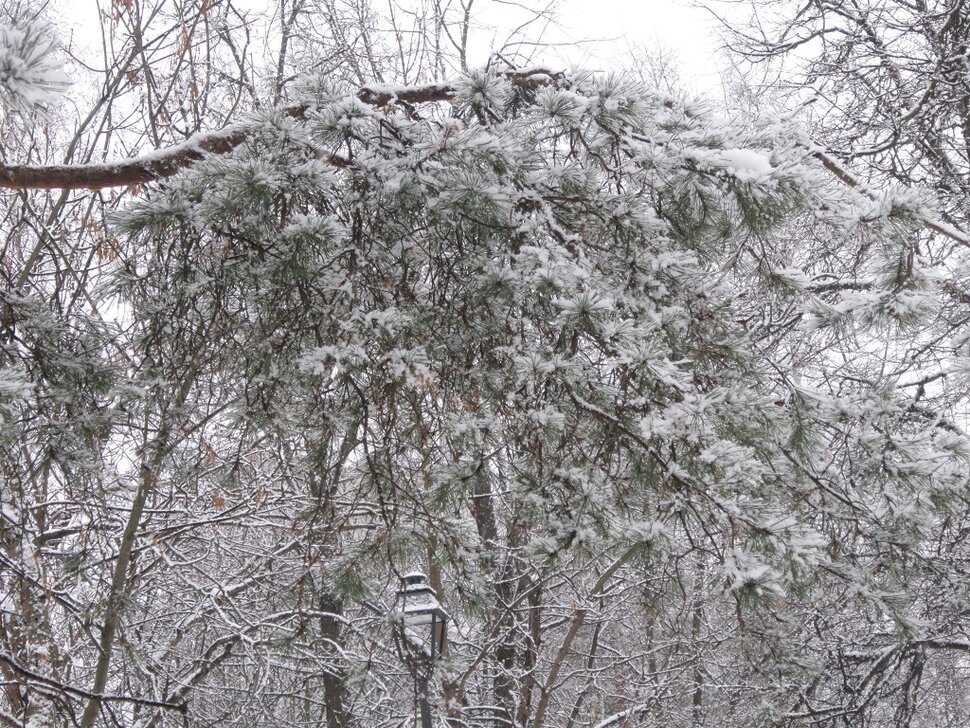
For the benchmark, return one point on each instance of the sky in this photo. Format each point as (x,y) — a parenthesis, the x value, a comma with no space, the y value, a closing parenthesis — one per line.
(602,34)
(592,34)
(673,25)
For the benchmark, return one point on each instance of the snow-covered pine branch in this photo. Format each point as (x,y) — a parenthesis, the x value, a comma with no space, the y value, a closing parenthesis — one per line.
(30,75)
(168,161)
(163,163)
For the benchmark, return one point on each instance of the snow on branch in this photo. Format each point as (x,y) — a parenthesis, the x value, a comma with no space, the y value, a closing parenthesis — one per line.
(29,74)
(937,226)
(36,678)
(138,170)
(167,162)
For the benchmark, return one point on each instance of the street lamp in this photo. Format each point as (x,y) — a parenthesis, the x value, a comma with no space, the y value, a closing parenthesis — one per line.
(420,633)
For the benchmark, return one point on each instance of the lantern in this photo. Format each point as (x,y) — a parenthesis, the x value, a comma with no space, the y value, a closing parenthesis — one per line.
(420,624)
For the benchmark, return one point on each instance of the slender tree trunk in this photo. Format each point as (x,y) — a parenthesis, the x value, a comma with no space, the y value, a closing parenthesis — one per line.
(450,690)
(579,618)
(503,685)
(154,454)
(335,682)
(531,653)
(697,617)
(118,593)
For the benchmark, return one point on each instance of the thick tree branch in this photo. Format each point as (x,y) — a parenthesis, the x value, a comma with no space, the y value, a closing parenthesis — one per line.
(167,162)
(576,623)
(139,170)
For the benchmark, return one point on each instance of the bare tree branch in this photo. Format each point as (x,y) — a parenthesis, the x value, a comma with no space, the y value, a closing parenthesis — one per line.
(36,677)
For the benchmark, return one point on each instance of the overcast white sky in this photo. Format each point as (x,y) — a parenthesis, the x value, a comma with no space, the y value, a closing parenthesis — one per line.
(600,34)
(670,24)
(593,34)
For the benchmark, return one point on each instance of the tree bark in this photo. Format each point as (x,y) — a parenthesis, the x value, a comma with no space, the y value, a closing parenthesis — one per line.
(334,683)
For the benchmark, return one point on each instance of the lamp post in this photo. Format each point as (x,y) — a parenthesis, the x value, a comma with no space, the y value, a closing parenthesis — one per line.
(420,633)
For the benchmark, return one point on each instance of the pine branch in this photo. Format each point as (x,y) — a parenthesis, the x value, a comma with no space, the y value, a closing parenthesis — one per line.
(167,162)
(936,226)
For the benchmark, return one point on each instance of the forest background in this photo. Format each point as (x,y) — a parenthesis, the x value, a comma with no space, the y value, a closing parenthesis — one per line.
(667,396)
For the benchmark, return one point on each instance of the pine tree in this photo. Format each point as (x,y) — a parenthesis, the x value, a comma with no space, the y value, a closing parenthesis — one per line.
(621,375)
(544,341)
